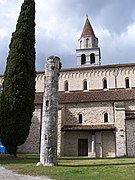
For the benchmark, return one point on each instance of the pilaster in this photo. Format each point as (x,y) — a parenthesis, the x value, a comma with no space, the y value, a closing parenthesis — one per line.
(99,144)
(120,129)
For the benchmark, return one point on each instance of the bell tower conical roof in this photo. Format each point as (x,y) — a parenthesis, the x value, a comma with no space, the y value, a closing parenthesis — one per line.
(87,29)
(88,53)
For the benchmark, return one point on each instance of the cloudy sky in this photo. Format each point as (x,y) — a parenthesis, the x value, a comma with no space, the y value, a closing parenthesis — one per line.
(59,25)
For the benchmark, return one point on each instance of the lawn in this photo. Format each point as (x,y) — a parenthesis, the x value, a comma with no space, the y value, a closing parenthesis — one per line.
(73,168)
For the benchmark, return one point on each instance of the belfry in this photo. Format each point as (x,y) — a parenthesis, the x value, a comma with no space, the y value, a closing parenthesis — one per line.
(88,53)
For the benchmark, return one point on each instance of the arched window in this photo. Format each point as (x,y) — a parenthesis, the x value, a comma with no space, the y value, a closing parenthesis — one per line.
(66,86)
(87,43)
(92,58)
(80,118)
(105,84)
(106,117)
(83,59)
(85,85)
(127,82)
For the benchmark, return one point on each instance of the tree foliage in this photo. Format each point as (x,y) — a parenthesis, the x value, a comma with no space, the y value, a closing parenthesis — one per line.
(17,98)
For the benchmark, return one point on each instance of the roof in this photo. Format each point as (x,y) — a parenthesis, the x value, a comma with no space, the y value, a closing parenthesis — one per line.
(110,66)
(90,68)
(91,96)
(130,115)
(94,67)
(93,127)
(87,29)
(97,96)
(39,98)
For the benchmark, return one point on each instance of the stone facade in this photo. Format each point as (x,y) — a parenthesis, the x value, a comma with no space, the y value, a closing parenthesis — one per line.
(96,112)
(109,143)
(92,113)
(115,142)
(104,143)
(96,75)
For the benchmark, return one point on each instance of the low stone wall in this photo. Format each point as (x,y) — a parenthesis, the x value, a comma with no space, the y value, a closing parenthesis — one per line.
(32,144)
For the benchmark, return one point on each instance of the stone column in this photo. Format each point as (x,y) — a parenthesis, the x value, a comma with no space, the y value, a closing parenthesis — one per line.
(93,144)
(48,152)
(92,152)
(99,144)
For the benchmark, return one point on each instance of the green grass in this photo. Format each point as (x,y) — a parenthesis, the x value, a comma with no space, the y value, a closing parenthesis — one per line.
(73,168)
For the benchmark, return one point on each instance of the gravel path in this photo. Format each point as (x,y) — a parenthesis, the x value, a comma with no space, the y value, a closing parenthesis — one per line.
(10,175)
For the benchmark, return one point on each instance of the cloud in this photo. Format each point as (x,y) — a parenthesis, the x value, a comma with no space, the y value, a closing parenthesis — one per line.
(117,48)
(59,25)
(3,1)
(116,16)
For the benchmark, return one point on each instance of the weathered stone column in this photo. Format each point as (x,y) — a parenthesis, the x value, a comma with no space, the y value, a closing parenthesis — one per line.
(48,151)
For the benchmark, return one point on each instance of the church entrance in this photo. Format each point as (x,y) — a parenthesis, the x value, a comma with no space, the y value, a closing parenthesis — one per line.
(82,147)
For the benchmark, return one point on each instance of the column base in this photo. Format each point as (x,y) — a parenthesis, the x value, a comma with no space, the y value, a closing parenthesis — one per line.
(46,164)
(91,154)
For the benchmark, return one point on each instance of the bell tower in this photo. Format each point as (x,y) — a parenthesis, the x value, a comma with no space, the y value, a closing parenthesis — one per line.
(88,53)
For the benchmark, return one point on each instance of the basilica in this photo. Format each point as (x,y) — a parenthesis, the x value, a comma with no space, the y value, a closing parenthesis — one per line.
(96,112)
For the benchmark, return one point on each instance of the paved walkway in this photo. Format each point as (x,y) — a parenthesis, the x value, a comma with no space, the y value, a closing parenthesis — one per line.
(10,175)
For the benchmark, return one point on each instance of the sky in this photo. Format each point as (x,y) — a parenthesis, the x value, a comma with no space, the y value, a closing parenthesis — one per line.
(59,24)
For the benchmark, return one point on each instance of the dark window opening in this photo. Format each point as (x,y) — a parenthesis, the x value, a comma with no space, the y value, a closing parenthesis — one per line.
(66,86)
(105,84)
(83,59)
(45,137)
(106,117)
(80,118)
(85,85)
(47,103)
(87,42)
(82,147)
(92,58)
(127,82)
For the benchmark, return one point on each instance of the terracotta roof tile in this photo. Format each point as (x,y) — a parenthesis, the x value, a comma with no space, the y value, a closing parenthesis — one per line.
(92,96)
(90,68)
(130,115)
(92,127)
(87,30)
(97,96)
(110,66)
(39,98)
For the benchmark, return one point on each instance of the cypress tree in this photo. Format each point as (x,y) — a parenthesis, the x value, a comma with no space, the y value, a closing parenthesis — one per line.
(17,98)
